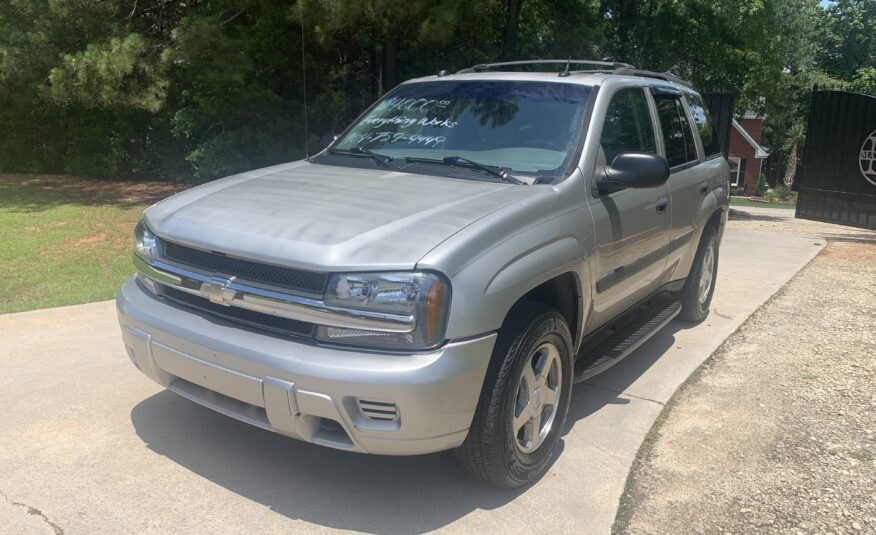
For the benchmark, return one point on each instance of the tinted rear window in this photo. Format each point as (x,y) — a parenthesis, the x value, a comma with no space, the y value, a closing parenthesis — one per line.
(704,125)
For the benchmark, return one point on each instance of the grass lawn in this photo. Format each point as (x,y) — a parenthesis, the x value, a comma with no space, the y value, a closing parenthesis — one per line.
(742,201)
(65,240)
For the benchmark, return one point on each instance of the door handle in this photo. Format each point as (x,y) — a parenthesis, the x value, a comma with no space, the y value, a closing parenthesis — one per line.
(662,205)
(704,188)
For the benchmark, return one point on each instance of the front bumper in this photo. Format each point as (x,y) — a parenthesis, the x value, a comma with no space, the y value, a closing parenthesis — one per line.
(322,395)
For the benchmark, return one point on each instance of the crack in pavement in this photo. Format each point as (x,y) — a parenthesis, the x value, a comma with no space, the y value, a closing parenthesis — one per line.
(732,276)
(624,394)
(34,511)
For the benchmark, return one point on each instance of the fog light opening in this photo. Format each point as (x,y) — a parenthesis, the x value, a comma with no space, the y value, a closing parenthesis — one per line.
(329,425)
(331,433)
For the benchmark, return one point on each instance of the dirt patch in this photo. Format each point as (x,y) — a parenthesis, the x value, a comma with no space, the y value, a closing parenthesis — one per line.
(71,190)
(88,240)
(777,432)
(102,242)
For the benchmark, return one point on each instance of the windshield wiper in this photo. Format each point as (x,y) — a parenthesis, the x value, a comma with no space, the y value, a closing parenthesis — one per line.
(452,161)
(359,149)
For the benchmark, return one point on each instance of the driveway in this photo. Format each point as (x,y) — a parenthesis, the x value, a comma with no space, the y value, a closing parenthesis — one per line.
(89,445)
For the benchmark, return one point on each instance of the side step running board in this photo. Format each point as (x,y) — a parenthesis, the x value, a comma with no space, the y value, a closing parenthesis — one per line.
(636,328)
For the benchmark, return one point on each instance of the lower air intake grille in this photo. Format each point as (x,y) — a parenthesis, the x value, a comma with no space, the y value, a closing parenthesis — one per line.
(378,410)
(249,317)
(295,279)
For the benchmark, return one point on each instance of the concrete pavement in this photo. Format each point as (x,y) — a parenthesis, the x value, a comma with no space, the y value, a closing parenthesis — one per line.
(89,445)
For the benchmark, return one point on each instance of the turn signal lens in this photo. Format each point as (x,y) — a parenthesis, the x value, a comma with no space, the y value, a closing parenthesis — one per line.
(435,310)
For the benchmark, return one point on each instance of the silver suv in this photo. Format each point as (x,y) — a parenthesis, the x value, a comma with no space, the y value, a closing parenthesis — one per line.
(441,274)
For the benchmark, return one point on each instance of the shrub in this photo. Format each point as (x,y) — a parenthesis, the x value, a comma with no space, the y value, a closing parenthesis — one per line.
(761,186)
(773,196)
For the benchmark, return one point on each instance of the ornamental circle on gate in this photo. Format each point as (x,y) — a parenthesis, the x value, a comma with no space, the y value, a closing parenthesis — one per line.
(867,159)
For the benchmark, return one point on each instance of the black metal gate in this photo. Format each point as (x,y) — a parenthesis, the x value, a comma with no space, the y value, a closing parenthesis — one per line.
(838,179)
(721,110)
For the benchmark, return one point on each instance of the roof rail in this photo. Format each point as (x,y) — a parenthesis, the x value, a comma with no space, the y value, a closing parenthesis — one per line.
(481,67)
(667,76)
(613,67)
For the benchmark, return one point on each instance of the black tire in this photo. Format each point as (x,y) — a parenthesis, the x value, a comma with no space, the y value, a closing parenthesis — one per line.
(490,451)
(693,307)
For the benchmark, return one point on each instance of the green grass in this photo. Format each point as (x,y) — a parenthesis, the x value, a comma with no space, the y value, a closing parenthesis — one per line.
(65,241)
(742,201)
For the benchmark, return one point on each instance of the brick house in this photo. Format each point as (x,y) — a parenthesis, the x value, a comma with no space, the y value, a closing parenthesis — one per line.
(746,154)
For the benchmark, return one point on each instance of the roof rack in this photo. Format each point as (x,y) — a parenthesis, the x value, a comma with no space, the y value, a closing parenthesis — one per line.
(481,67)
(612,67)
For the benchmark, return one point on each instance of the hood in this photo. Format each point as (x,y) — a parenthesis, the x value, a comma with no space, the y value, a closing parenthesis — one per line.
(328,218)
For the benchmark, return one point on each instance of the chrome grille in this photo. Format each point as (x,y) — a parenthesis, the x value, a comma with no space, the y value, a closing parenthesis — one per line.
(255,319)
(294,279)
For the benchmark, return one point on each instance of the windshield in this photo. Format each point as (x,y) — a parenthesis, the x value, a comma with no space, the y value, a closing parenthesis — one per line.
(521,126)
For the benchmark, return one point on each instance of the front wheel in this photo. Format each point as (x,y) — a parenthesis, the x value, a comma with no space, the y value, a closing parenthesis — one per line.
(696,295)
(525,399)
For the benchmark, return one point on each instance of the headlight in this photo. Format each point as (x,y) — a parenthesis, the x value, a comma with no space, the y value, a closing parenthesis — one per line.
(424,296)
(145,243)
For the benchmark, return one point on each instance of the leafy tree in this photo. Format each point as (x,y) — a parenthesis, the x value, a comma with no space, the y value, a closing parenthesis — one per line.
(865,80)
(848,38)
(197,89)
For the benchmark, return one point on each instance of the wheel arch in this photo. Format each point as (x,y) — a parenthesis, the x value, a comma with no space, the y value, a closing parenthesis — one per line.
(563,293)
(714,220)
(712,214)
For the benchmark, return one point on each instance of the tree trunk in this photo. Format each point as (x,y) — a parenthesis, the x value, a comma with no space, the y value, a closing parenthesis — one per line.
(378,68)
(790,172)
(390,63)
(627,13)
(512,22)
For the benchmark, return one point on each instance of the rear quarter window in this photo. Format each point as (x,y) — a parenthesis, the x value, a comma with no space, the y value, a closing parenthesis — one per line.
(677,131)
(704,124)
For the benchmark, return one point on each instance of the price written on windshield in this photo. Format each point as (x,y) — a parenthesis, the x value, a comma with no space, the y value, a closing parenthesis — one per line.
(406,117)
(404,121)
(414,104)
(397,137)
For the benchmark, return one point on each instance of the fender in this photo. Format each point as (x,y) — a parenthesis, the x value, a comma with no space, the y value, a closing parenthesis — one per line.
(487,294)
(538,266)
(509,253)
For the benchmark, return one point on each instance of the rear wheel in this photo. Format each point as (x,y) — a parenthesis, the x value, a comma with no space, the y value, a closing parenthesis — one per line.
(696,295)
(525,399)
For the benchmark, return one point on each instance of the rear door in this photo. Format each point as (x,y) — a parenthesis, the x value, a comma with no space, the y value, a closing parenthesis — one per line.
(687,184)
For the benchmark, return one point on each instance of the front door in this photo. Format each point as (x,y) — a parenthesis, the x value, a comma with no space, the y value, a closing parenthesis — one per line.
(632,225)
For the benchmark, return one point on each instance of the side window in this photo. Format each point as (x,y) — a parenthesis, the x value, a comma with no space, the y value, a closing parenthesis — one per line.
(677,134)
(704,125)
(628,126)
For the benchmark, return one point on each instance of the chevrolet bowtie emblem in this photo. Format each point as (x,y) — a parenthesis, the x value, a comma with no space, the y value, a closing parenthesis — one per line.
(217,290)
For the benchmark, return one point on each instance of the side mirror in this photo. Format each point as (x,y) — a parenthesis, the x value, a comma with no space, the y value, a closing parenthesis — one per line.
(634,170)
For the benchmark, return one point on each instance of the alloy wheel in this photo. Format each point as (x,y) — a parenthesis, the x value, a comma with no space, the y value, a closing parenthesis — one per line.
(538,396)
(707,273)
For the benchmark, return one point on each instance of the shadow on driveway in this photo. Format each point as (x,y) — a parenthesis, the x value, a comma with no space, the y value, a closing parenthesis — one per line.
(781,214)
(342,490)
(830,231)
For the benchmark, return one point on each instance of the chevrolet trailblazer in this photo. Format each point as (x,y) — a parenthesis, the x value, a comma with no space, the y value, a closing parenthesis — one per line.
(442,273)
